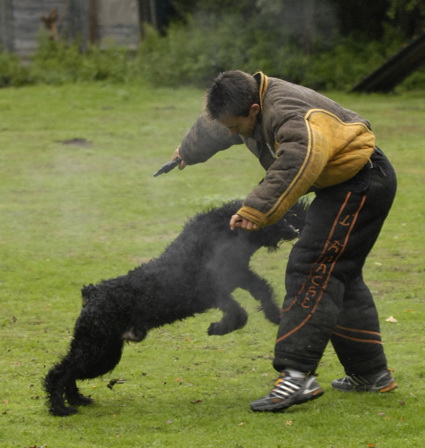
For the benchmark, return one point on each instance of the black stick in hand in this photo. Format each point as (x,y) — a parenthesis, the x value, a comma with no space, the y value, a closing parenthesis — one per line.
(167,167)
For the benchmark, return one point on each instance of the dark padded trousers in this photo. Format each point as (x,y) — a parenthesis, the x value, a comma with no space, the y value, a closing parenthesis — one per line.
(326,297)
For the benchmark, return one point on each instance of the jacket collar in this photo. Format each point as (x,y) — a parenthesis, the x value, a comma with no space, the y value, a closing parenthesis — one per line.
(263,83)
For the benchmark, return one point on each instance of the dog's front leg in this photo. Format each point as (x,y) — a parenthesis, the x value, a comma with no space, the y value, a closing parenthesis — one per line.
(234,316)
(262,291)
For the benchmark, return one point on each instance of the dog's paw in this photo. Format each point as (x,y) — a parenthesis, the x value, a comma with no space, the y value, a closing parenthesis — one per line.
(229,323)
(271,312)
(275,319)
(221,328)
(80,400)
(217,329)
(63,411)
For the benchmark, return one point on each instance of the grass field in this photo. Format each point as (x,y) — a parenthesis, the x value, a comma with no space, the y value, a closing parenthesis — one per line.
(78,203)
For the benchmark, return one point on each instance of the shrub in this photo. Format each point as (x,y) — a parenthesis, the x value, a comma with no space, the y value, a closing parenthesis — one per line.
(55,62)
(194,52)
(12,73)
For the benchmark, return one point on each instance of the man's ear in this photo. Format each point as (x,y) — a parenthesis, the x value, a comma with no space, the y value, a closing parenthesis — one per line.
(255,109)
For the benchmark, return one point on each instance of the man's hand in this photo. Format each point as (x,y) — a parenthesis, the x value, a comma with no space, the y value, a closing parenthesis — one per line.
(176,155)
(237,221)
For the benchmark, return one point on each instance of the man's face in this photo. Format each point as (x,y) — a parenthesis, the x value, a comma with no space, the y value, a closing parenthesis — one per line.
(241,125)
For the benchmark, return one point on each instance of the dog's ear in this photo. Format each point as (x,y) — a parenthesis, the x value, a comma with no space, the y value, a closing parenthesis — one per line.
(87,292)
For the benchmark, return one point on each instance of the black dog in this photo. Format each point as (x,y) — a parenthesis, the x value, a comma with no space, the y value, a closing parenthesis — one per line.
(199,270)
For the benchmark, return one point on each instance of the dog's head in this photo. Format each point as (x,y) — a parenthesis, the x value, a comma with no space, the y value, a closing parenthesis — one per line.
(287,228)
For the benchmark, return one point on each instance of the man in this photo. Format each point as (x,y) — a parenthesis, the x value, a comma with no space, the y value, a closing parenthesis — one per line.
(307,142)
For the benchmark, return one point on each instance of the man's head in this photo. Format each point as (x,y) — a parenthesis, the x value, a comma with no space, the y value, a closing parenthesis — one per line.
(233,100)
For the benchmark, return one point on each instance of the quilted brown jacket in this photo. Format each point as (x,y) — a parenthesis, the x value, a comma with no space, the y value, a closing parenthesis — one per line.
(303,139)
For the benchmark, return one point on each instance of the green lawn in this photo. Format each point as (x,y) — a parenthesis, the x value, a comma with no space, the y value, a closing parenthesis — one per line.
(78,203)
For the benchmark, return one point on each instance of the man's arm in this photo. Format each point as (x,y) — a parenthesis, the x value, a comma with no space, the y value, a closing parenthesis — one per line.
(294,171)
(205,138)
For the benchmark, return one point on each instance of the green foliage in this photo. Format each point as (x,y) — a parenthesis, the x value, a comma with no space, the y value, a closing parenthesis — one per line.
(347,63)
(408,15)
(57,62)
(79,204)
(192,54)
(196,52)
(362,17)
(281,39)
(11,71)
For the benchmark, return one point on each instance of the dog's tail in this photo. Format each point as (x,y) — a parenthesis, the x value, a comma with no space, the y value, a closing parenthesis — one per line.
(87,293)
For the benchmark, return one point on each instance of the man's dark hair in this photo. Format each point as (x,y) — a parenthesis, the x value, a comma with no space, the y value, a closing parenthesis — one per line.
(231,94)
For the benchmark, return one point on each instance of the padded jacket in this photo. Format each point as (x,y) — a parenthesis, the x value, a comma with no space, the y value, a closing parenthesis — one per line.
(304,141)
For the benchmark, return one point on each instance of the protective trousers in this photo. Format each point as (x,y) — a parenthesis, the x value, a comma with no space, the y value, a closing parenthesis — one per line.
(326,297)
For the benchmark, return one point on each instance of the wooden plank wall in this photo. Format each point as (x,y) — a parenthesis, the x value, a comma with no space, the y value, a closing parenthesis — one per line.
(22,22)
(118,21)
(6,25)
(91,21)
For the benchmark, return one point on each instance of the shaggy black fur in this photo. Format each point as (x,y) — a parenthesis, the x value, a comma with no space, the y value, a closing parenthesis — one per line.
(199,270)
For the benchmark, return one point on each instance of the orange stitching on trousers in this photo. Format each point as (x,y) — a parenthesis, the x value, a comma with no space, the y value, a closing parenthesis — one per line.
(295,300)
(321,266)
(370,341)
(358,331)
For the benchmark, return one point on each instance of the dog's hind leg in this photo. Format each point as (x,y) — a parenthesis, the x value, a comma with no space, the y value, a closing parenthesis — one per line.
(60,385)
(234,317)
(55,384)
(99,358)
(73,395)
(87,358)
(262,291)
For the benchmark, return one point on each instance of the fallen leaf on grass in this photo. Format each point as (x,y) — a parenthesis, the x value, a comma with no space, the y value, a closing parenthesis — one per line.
(112,383)
(196,401)
(391,319)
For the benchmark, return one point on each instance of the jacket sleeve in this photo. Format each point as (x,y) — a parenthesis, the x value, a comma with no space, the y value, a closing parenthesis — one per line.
(205,138)
(298,164)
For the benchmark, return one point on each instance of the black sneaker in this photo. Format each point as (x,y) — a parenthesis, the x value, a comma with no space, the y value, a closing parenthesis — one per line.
(378,382)
(288,391)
